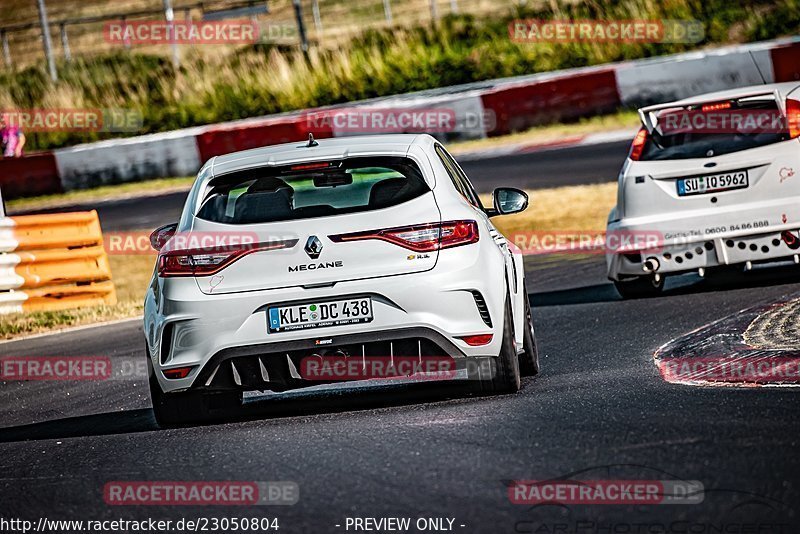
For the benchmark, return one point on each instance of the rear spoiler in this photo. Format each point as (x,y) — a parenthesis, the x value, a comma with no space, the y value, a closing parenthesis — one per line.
(647,114)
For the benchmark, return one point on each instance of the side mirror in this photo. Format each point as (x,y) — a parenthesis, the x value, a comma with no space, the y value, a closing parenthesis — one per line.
(508,200)
(161,235)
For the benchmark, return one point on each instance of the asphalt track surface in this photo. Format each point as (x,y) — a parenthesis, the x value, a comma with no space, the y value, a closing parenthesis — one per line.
(598,411)
(576,165)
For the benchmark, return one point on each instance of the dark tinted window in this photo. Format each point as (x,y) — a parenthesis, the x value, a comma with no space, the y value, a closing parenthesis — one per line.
(312,190)
(695,132)
(458,177)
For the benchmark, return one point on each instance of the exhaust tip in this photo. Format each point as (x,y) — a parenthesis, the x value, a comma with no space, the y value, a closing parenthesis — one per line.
(650,265)
(791,240)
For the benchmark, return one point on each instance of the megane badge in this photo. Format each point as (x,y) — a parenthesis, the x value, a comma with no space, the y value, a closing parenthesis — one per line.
(313,247)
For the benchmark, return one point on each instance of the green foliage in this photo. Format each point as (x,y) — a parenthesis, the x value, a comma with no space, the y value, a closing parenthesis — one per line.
(263,78)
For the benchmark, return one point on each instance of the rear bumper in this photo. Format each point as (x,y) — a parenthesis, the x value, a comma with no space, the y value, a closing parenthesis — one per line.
(186,328)
(691,253)
(291,364)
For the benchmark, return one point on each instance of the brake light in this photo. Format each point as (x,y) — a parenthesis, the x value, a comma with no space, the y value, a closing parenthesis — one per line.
(208,261)
(312,166)
(715,107)
(637,147)
(477,341)
(793,117)
(421,237)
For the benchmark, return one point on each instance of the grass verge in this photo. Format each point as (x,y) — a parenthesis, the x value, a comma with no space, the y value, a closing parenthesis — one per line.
(263,78)
(537,134)
(553,132)
(563,208)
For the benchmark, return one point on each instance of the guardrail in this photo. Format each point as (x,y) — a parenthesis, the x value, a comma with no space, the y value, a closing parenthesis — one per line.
(53,262)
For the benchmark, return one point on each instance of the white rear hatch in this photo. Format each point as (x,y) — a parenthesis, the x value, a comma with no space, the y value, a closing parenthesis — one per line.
(712,154)
(319,223)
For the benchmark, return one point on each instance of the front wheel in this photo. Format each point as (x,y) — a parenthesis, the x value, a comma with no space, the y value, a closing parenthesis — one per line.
(640,287)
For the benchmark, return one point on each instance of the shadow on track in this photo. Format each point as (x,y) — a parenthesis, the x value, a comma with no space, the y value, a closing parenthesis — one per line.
(88,425)
(724,280)
(294,404)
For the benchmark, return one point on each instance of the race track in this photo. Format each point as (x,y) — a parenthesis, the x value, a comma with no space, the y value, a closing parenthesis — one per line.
(599,405)
(576,165)
(599,410)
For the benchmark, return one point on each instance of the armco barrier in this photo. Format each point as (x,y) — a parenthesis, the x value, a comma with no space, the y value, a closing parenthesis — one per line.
(222,139)
(518,106)
(36,174)
(53,262)
(132,159)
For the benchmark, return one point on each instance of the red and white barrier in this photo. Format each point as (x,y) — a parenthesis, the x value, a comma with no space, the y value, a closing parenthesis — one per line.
(507,105)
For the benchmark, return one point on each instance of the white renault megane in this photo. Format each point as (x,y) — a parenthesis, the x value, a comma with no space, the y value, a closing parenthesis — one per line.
(347,250)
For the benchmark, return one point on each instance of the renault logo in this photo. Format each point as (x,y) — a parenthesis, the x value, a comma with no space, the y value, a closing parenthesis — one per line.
(313,247)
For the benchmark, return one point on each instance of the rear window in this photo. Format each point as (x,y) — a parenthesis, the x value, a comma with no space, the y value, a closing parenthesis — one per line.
(308,190)
(715,129)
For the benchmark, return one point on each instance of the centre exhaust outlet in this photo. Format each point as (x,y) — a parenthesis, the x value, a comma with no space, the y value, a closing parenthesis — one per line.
(650,265)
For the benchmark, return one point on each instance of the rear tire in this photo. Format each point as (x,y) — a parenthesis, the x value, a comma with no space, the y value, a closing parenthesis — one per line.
(529,360)
(504,376)
(187,407)
(639,287)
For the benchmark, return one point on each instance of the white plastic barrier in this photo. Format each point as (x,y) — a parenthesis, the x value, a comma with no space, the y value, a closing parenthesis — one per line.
(131,159)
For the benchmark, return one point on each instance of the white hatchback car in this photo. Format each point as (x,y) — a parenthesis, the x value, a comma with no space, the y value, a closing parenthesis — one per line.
(712,181)
(342,250)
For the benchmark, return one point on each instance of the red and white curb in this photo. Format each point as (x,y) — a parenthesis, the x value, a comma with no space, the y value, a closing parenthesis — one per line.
(717,354)
(513,104)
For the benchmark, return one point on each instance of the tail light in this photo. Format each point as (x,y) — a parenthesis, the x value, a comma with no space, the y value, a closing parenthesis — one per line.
(638,144)
(421,237)
(208,261)
(793,117)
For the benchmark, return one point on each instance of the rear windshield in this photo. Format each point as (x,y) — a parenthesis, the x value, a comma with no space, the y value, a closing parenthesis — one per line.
(309,190)
(715,129)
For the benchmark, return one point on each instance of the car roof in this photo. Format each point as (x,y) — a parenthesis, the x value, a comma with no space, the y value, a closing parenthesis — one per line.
(326,149)
(783,89)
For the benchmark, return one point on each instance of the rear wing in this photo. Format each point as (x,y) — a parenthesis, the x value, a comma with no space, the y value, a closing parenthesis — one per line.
(647,114)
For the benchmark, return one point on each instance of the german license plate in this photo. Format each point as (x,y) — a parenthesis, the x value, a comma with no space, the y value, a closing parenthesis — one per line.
(712,183)
(319,314)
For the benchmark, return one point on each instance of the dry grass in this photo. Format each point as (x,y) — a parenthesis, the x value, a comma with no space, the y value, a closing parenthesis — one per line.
(579,208)
(563,208)
(554,132)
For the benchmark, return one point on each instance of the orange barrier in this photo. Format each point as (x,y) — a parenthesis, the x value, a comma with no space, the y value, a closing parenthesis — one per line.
(53,262)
